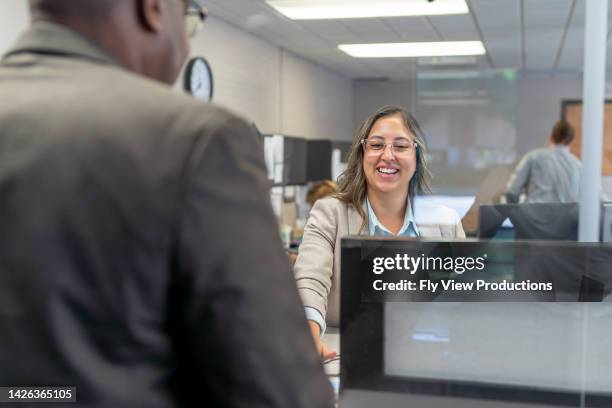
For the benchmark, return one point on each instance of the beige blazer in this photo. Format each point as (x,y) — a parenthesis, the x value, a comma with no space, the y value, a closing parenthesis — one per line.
(317,269)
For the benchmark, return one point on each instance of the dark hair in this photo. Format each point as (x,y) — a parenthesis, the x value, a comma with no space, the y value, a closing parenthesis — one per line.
(562,133)
(352,182)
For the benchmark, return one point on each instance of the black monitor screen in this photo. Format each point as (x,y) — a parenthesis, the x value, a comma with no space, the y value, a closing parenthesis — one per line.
(552,349)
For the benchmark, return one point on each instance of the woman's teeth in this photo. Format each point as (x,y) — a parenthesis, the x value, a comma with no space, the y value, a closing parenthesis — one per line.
(386,170)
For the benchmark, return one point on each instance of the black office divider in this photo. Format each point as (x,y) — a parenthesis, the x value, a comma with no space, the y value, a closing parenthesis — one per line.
(319,159)
(295,151)
(293,160)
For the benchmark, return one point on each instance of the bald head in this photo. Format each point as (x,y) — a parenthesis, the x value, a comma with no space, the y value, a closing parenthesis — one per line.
(145,36)
(58,10)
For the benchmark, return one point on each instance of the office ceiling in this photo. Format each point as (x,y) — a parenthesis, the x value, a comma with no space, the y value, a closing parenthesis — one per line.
(540,37)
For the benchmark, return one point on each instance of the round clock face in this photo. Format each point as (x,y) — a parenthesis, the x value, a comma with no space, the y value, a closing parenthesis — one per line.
(198,79)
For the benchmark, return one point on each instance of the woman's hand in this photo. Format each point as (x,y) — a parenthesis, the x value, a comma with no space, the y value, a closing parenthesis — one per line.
(324,351)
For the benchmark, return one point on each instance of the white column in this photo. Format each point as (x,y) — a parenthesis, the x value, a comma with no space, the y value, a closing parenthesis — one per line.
(592,117)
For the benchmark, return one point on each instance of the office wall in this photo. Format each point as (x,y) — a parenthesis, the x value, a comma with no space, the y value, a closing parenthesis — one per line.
(538,107)
(270,86)
(246,72)
(14,18)
(315,102)
(539,103)
(276,89)
(372,94)
(445,126)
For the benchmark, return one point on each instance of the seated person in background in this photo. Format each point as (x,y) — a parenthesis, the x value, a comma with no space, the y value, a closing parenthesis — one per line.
(548,175)
(386,168)
(320,189)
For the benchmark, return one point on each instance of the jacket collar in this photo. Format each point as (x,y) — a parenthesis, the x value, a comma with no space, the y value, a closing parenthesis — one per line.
(45,37)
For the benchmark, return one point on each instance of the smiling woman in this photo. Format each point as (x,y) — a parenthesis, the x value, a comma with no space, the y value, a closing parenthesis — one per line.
(386,168)
(389,141)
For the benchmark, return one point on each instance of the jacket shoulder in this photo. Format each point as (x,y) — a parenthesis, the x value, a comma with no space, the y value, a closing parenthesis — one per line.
(147,101)
(329,210)
(330,203)
(146,94)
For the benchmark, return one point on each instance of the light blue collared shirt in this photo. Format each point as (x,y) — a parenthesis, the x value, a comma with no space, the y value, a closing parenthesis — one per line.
(409,229)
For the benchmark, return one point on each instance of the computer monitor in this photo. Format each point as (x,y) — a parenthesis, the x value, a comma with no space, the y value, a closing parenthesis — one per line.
(546,352)
(546,221)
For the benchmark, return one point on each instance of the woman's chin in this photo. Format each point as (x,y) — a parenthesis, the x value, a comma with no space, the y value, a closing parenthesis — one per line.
(387,187)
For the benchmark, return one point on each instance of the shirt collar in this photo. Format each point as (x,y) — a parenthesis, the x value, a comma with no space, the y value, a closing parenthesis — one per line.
(409,228)
(45,37)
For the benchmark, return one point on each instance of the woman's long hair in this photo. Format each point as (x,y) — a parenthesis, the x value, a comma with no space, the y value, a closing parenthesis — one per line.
(352,182)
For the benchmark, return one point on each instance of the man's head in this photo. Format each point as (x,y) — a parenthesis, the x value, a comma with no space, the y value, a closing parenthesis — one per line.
(562,133)
(146,36)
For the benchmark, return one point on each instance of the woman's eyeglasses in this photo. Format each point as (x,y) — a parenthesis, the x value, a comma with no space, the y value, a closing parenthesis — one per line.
(194,18)
(375,147)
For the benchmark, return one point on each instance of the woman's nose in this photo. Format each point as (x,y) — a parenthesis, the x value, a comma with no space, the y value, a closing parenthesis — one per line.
(388,153)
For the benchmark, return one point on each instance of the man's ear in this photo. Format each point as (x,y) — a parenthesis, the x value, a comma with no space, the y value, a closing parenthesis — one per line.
(150,13)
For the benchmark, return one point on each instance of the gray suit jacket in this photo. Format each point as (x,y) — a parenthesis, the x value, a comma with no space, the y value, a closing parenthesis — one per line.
(317,268)
(139,255)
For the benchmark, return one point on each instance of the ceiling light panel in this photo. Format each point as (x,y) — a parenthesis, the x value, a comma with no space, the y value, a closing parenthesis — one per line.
(420,49)
(338,9)
(446,60)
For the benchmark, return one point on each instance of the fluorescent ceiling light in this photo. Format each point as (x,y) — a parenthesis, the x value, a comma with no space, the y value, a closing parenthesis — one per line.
(421,49)
(336,9)
(455,102)
(452,74)
(444,60)
(452,94)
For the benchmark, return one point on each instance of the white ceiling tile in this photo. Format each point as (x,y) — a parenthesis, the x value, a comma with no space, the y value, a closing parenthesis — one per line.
(458,27)
(411,29)
(337,39)
(572,54)
(541,49)
(499,21)
(504,50)
(498,15)
(364,25)
(580,12)
(542,15)
(242,7)
(324,26)
(544,23)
